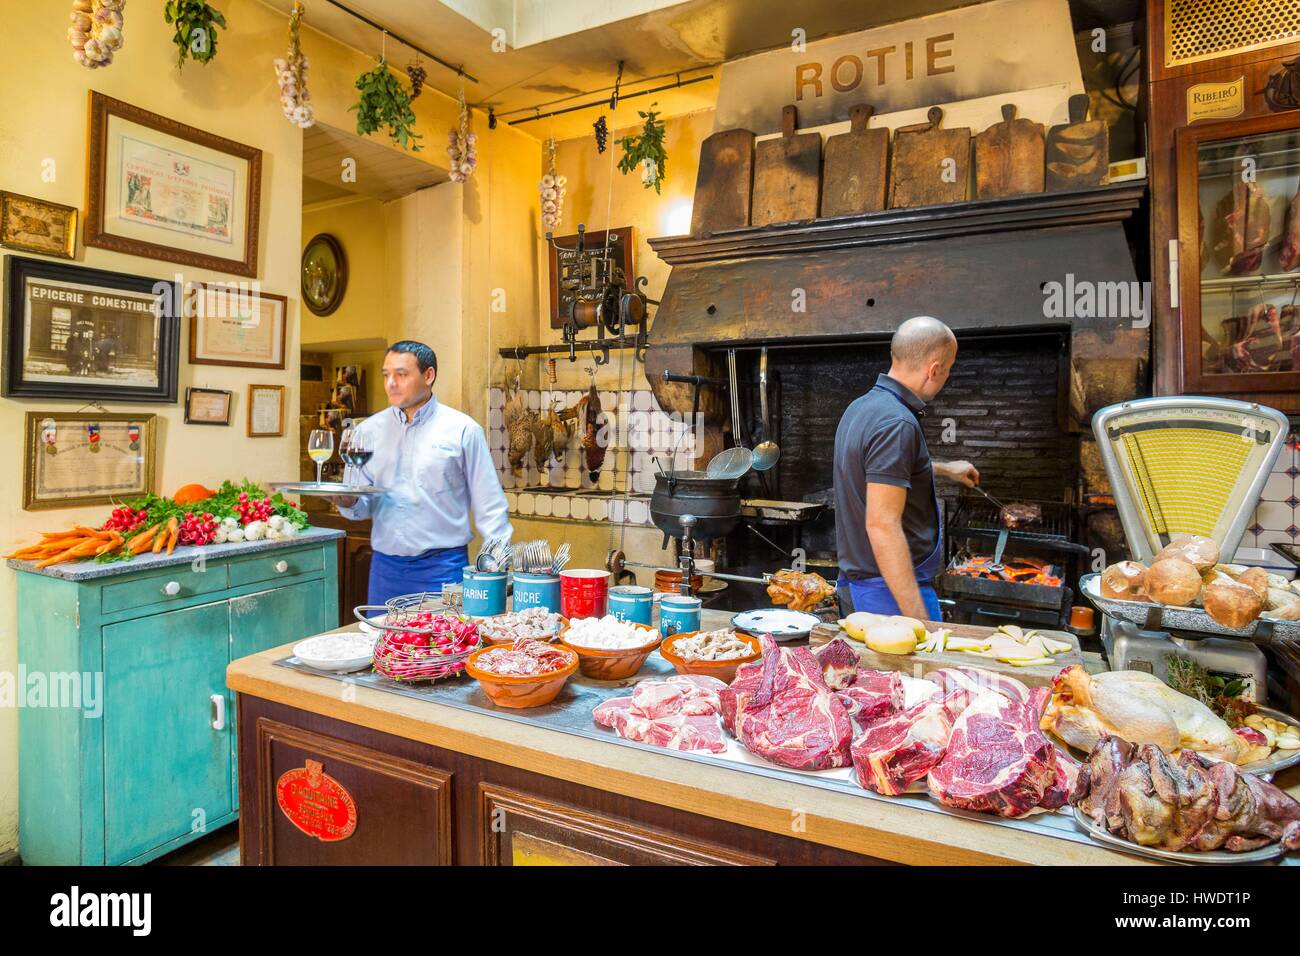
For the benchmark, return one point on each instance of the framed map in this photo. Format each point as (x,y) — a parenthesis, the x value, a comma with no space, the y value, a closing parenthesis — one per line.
(158,188)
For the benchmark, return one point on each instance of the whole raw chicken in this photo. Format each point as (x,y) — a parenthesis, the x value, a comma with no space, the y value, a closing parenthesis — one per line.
(1140,708)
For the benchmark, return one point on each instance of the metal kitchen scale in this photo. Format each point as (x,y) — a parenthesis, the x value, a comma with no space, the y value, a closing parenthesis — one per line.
(1186,465)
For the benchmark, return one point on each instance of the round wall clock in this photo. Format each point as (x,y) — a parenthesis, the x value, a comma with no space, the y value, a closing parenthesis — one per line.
(324,274)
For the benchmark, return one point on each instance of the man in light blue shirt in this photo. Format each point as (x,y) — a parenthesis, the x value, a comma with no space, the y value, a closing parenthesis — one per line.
(435,467)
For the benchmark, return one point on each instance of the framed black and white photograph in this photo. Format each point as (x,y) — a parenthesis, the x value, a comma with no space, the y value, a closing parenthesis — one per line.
(207,406)
(77,333)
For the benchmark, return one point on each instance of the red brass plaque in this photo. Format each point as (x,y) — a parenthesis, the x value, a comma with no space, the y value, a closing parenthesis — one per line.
(316,803)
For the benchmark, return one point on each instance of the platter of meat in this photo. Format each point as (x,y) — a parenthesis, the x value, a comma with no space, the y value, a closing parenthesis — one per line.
(1186,810)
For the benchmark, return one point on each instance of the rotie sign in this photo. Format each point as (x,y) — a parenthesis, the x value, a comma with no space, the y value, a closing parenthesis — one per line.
(991,48)
(316,803)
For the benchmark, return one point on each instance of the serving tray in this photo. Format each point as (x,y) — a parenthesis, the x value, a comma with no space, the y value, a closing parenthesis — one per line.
(328,488)
(1162,617)
(1103,836)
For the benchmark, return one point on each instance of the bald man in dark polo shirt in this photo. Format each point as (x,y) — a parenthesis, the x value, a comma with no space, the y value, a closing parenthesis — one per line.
(888,523)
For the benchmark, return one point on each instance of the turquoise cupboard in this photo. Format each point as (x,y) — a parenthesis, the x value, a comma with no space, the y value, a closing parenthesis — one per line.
(144,760)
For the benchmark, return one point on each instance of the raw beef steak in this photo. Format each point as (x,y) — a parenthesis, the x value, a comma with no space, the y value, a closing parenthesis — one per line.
(680,713)
(893,753)
(997,761)
(839,663)
(872,695)
(789,715)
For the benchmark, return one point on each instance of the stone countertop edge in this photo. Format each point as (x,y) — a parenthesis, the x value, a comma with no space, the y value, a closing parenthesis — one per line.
(184,554)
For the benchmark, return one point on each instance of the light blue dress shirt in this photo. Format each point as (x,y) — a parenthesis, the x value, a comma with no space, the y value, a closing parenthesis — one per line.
(435,469)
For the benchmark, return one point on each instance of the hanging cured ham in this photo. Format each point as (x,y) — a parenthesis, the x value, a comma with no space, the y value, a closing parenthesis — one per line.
(1290,252)
(1241,229)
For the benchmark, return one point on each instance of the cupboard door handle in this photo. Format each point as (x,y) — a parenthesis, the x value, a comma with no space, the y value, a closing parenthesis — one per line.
(281,566)
(218,711)
(172,588)
(1174,277)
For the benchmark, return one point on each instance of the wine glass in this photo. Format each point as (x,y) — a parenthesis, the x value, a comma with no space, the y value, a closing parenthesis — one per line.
(360,451)
(320,448)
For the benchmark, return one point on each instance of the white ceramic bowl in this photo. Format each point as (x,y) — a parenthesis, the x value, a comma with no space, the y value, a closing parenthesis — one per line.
(341,653)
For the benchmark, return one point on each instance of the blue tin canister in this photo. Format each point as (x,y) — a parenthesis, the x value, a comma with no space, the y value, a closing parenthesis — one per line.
(483,592)
(536,590)
(678,614)
(631,602)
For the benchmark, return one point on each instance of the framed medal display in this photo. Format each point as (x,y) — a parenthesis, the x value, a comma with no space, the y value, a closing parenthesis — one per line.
(87,458)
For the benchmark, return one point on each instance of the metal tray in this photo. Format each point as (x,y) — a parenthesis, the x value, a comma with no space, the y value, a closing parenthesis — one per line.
(329,488)
(1280,759)
(1099,833)
(1160,617)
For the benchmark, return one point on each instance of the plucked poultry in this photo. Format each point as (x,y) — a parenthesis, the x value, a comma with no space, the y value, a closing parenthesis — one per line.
(1085,708)
(800,590)
(1193,803)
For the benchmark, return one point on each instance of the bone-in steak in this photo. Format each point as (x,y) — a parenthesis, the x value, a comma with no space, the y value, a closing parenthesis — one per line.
(893,753)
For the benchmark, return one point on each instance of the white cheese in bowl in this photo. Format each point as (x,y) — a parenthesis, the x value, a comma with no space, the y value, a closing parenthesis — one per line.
(608,633)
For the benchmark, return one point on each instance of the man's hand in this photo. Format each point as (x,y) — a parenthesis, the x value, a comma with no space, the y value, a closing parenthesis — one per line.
(960,471)
(341,501)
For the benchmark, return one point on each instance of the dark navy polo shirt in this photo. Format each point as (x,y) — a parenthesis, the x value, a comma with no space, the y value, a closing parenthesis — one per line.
(879,441)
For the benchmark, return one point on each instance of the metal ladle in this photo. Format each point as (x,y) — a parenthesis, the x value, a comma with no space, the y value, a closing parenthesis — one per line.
(735,461)
(767,452)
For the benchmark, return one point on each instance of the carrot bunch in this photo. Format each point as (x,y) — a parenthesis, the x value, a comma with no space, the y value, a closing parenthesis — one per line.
(56,547)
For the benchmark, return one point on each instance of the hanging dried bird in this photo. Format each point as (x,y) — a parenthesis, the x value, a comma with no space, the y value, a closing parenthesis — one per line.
(519,430)
(589,415)
(561,432)
(543,442)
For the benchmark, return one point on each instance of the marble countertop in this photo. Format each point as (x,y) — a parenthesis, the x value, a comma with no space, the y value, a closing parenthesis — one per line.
(90,570)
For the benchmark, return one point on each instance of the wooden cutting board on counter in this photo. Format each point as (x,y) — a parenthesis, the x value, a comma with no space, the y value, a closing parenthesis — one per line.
(919,174)
(725,183)
(787,174)
(855,171)
(918,665)
(1009,157)
(1077,152)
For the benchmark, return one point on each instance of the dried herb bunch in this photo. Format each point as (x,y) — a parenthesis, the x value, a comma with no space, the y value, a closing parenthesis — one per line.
(385,104)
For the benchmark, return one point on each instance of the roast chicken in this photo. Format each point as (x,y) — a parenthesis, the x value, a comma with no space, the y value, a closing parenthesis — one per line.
(801,591)
(1192,803)
(1085,708)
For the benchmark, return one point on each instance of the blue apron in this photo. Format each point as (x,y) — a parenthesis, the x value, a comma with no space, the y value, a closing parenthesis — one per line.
(873,594)
(392,575)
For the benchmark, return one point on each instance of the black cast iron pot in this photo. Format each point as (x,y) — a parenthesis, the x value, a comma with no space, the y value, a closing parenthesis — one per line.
(715,502)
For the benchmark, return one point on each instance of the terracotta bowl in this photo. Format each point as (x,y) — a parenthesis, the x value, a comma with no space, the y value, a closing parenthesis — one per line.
(519,692)
(601,664)
(724,671)
(560,626)
(669,582)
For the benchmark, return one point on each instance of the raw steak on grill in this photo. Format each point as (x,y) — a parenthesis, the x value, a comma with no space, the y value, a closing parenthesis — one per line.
(788,715)
(872,696)
(895,752)
(997,760)
(680,713)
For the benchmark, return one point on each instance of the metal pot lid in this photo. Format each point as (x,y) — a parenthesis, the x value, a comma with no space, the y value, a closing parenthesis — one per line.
(1187,464)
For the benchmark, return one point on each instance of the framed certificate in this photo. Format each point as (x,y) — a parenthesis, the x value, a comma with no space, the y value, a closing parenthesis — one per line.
(158,188)
(265,411)
(207,406)
(75,459)
(237,324)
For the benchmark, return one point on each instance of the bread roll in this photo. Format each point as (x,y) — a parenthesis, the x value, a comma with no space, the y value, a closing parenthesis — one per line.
(1285,612)
(1256,579)
(1173,581)
(1124,580)
(1195,549)
(1232,604)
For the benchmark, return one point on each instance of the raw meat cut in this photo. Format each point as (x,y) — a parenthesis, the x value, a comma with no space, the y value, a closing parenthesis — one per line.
(997,761)
(893,753)
(975,682)
(1137,707)
(680,713)
(872,696)
(788,715)
(1290,252)
(839,663)
(1241,228)
(1194,803)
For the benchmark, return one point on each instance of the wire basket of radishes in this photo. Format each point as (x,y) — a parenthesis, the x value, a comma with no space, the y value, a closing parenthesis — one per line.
(419,639)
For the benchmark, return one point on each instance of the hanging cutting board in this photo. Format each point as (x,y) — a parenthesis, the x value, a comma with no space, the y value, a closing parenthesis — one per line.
(787,174)
(1009,157)
(918,665)
(1078,152)
(725,183)
(930,165)
(856,168)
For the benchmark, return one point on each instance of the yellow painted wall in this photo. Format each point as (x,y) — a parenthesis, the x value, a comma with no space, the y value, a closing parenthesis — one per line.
(361,226)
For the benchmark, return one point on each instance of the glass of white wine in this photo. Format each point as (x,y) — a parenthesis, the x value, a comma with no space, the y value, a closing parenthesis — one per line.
(320,448)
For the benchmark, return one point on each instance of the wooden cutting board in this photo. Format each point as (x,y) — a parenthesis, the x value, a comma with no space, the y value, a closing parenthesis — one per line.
(855,171)
(1009,157)
(918,665)
(920,173)
(1078,152)
(787,174)
(725,183)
